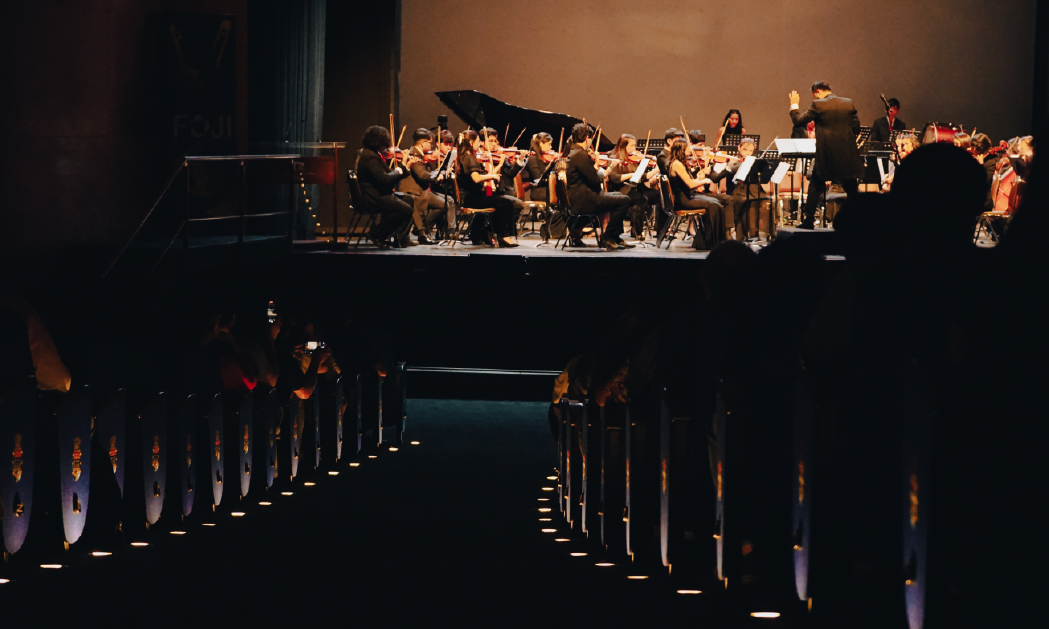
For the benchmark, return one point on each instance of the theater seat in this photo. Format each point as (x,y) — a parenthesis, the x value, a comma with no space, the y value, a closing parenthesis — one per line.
(613,477)
(73,427)
(184,452)
(267,414)
(18,436)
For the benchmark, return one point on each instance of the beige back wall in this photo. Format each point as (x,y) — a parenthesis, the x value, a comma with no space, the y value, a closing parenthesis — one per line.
(633,65)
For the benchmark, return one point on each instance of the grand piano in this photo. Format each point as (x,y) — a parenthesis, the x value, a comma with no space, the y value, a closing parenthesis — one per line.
(477,110)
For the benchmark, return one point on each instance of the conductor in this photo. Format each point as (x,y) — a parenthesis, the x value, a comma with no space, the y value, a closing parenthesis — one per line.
(837,157)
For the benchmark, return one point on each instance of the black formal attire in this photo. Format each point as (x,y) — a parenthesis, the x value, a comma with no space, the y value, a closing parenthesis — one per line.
(475,196)
(428,204)
(837,157)
(800,131)
(746,201)
(686,198)
(540,192)
(640,195)
(507,174)
(880,131)
(585,195)
(377,189)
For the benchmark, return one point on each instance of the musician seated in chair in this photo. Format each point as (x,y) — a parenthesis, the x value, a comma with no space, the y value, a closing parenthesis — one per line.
(478,183)
(746,198)
(429,205)
(682,187)
(507,172)
(584,189)
(539,163)
(643,195)
(378,176)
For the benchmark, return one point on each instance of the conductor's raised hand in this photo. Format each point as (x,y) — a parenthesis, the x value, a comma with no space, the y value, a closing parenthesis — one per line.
(795,98)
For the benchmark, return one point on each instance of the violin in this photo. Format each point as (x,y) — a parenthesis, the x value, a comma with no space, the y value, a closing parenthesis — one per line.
(548,156)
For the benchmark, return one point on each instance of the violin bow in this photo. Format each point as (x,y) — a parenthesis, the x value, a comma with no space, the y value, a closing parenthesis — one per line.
(401,136)
(506,135)
(518,137)
(491,164)
(392,132)
(648,139)
(684,130)
(560,141)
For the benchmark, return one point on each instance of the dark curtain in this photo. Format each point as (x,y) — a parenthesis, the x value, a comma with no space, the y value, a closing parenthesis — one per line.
(286,88)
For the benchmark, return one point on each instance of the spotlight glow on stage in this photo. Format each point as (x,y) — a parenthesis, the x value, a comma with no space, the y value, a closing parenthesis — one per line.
(765,614)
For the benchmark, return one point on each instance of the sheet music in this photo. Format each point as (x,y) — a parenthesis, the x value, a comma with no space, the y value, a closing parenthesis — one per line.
(641,168)
(719,167)
(881,170)
(780,172)
(744,169)
(795,145)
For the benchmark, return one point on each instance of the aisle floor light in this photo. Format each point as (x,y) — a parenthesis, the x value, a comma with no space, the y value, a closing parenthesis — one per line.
(237,514)
(139,544)
(562,539)
(689,591)
(177,532)
(308,484)
(604,565)
(544,500)
(209,524)
(287,493)
(51,566)
(100,553)
(545,520)
(333,473)
(551,478)
(2,581)
(265,504)
(354,464)
(637,576)
(549,530)
(765,614)
(393,449)
(578,554)
(373,456)
(545,510)
(415,443)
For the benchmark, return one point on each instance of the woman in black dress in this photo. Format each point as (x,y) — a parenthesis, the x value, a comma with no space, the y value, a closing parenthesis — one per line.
(733,123)
(682,186)
(472,178)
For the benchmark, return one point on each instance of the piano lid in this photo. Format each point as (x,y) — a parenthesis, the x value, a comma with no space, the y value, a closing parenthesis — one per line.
(478,110)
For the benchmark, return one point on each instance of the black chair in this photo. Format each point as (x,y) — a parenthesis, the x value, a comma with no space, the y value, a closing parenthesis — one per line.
(572,416)
(693,218)
(331,413)
(74,424)
(571,219)
(360,210)
(291,429)
(18,410)
(311,434)
(685,540)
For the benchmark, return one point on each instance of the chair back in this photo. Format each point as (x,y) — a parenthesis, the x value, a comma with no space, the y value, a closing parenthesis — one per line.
(519,190)
(561,186)
(458,195)
(666,194)
(356,202)
(551,190)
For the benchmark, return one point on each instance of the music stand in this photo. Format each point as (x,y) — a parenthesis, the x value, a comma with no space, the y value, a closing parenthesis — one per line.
(760,173)
(654,147)
(730,143)
(863,137)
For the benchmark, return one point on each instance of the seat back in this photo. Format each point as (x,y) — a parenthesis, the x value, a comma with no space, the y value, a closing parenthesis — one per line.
(561,186)
(666,195)
(519,190)
(551,190)
(74,423)
(356,199)
(458,195)
(18,434)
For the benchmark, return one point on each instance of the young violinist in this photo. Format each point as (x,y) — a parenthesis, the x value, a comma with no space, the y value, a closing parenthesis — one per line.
(540,160)
(425,173)
(378,176)
(733,123)
(507,171)
(745,202)
(473,177)
(584,189)
(682,187)
(643,196)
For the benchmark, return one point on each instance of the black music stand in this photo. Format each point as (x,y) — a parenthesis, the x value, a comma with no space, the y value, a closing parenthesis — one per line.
(863,137)
(653,147)
(761,172)
(730,143)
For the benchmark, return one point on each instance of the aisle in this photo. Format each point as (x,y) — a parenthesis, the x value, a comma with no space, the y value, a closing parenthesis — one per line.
(445,533)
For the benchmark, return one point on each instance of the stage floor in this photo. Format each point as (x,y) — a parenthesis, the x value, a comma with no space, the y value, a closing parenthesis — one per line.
(531,246)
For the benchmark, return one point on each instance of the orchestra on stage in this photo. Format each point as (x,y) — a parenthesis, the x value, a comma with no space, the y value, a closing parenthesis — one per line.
(477,186)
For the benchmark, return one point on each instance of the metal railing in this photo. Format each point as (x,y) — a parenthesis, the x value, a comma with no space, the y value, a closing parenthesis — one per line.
(242,216)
